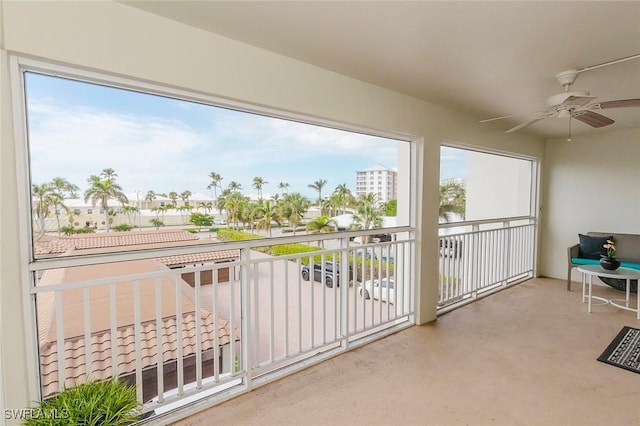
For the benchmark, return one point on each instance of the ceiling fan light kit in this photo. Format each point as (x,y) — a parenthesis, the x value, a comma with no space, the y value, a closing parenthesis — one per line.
(577,104)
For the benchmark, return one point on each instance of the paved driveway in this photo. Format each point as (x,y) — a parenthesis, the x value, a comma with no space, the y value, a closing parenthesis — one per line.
(291,315)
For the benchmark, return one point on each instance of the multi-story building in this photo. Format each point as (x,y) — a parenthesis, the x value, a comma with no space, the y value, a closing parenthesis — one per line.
(377,180)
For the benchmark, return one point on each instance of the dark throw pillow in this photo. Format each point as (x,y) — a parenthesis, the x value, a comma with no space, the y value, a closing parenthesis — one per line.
(620,284)
(591,247)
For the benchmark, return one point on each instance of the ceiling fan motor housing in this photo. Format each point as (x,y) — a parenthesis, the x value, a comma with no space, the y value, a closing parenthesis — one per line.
(567,78)
(560,98)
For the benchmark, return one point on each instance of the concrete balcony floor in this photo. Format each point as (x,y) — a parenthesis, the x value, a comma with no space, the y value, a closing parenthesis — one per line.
(524,356)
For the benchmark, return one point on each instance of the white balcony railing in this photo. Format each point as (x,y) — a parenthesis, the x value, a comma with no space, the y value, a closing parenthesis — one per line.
(207,331)
(479,257)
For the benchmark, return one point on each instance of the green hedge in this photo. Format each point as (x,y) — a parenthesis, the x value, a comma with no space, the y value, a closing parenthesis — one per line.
(228,234)
(287,249)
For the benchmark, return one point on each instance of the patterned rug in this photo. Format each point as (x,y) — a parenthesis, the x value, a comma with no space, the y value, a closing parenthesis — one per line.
(624,350)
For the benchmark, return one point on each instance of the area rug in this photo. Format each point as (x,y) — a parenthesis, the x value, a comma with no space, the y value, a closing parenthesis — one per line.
(624,350)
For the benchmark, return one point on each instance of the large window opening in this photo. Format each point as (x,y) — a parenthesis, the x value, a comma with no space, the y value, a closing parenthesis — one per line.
(105,159)
(167,193)
(487,223)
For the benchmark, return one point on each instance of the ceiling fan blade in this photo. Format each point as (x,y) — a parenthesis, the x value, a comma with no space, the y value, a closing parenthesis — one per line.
(578,100)
(620,103)
(496,118)
(591,118)
(526,124)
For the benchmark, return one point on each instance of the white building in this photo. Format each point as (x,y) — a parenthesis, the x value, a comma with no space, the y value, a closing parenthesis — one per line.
(378,180)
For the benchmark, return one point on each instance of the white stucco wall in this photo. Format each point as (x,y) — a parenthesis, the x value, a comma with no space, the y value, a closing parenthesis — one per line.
(591,184)
(497,186)
(122,41)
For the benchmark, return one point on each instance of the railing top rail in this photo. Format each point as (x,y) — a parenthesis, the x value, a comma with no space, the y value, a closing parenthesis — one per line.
(485,221)
(141,254)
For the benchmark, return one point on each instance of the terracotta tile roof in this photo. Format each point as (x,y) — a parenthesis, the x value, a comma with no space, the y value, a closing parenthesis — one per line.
(45,244)
(189,259)
(74,349)
(100,320)
(130,238)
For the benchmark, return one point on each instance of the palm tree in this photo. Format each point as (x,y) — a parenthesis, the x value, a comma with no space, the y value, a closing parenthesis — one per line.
(206,206)
(367,216)
(322,224)
(270,213)
(128,210)
(234,186)
(215,183)
(58,205)
(252,213)
(369,199)
(42,202)
(293,208)
(283,187)
(452,199)
(317,185)
(109,174)
(258,183)
(103,189)
(342,196)
(149,198)
(184,195)
(63,187)
(233,204)
(221,201)
(173,196)
(184,208)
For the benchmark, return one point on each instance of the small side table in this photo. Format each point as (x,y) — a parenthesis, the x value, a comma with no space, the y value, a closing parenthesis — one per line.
(627,274)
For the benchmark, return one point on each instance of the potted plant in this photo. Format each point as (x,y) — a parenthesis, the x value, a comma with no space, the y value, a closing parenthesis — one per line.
(108,402)
(608,261)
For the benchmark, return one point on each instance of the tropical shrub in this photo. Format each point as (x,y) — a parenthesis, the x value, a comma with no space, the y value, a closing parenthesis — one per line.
(70,230)
(123,227)
(201,219)
(109,402)
(228,234)
(157,223)
(287,249)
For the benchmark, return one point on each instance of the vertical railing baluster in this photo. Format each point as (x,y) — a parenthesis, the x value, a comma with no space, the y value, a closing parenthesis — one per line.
(299,268)
(179,336)
(323,286)
(256,312)
(159,339)
(88,350)
(137,332)
(62,373)
(198,303)
(113,323)
(285,267)
(343,324)
(312,301)
(215,317)
(271,315)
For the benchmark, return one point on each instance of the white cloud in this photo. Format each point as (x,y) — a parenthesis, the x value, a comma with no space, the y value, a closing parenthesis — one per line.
(149,152)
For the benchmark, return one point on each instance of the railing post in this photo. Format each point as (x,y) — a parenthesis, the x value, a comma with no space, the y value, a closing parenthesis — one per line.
(475,229)
(507,255)
(345,281)
(247,338)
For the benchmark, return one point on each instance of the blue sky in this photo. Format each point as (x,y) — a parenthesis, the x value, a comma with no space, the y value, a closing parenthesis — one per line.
(155,143)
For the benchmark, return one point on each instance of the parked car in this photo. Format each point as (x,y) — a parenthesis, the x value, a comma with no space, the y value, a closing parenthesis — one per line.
(451,246)
(366,252)
(382,289)
(331,273)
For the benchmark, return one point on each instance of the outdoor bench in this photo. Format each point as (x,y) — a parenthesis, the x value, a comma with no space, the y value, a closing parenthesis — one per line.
(588,251)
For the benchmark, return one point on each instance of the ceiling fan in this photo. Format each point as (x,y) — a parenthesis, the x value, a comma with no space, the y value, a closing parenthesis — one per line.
(576,104)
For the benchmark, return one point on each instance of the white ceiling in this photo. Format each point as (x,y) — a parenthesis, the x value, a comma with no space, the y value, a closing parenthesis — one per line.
(485,58)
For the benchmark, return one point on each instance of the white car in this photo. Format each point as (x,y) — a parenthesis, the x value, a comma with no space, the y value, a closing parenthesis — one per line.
(382,289)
